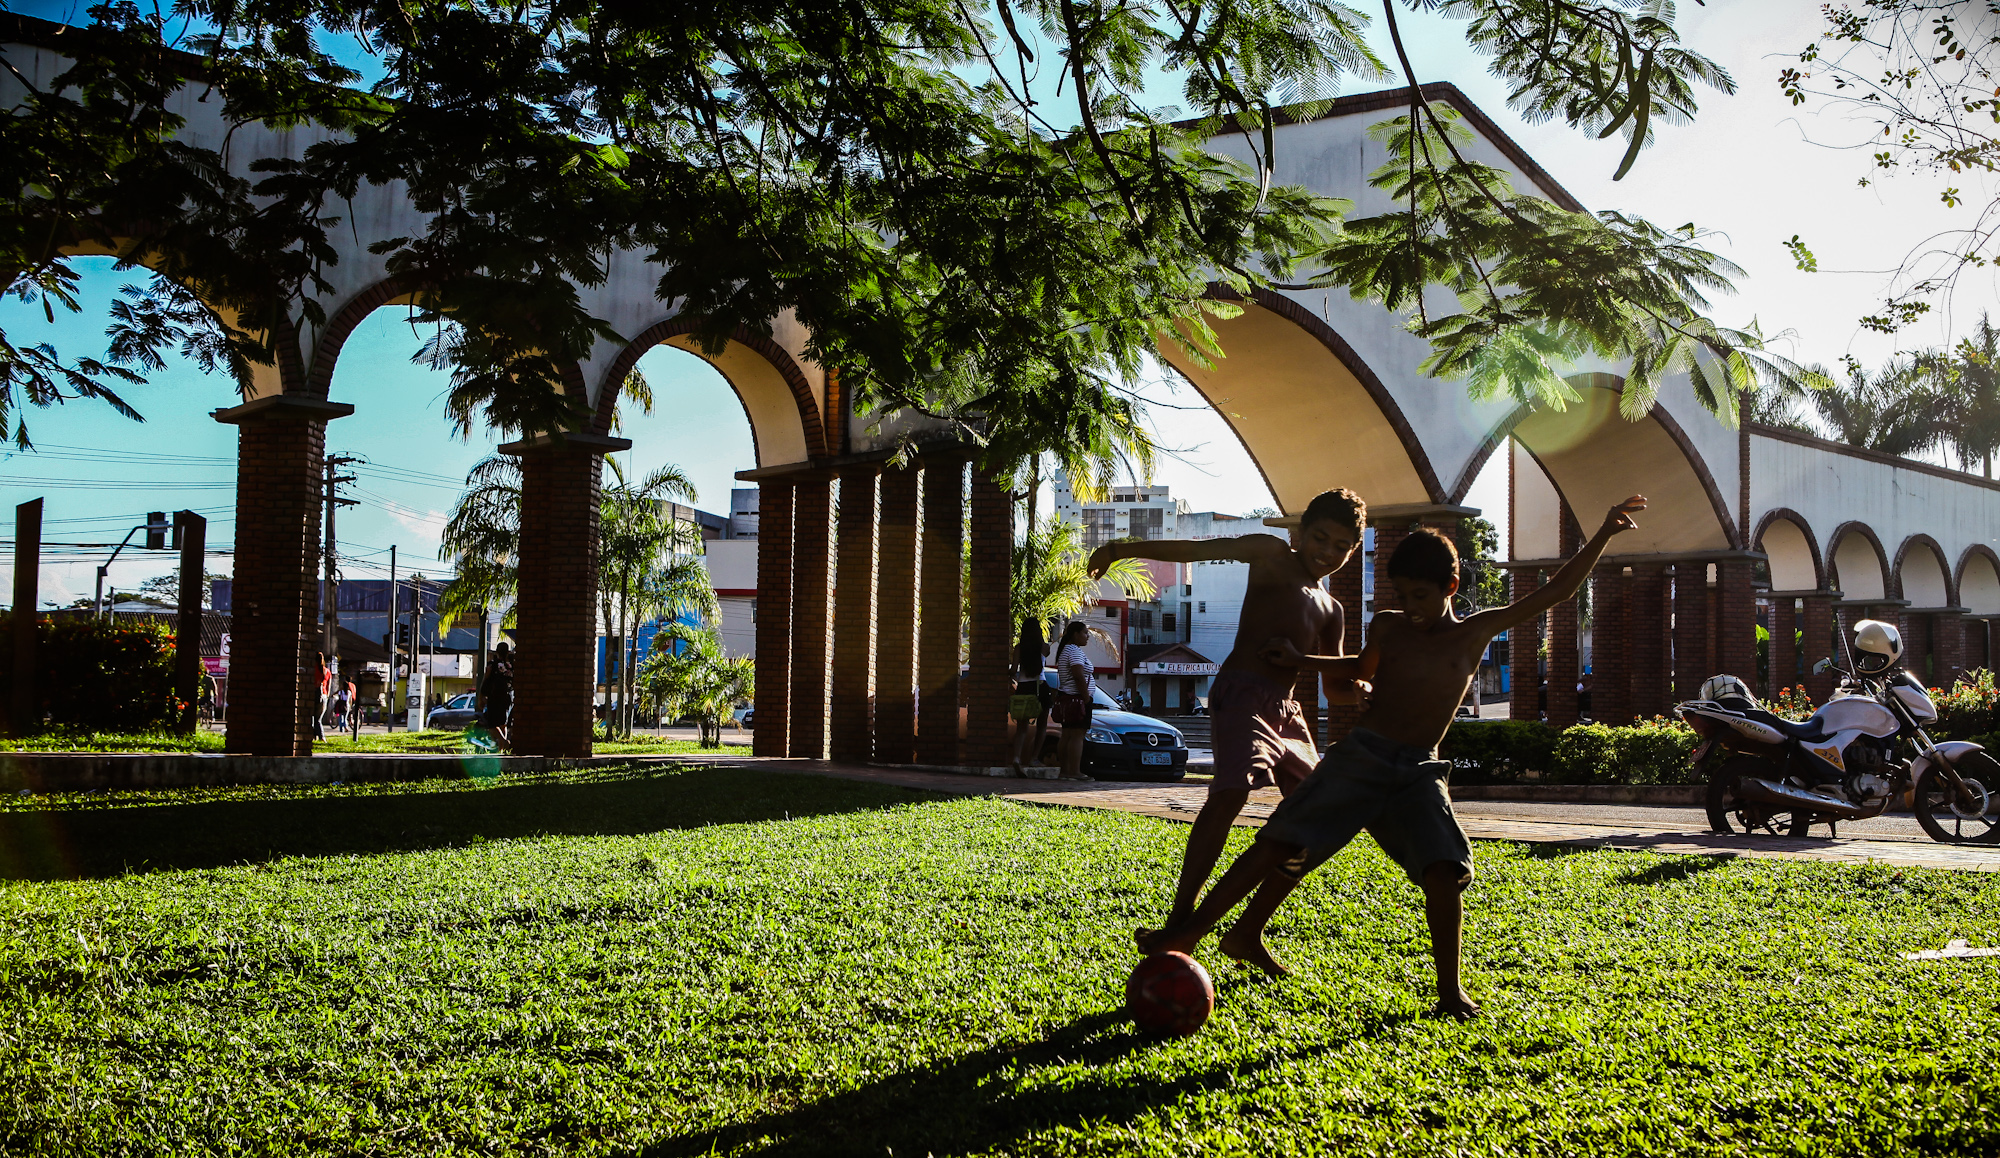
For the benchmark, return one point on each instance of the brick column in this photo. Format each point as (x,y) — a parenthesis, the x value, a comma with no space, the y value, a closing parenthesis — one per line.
(990,623)
(1948,645)
(896,616)
(812,605)
(1610,647)
(1563,660)
(1736,629)
(1690,629)
(556,597)
(1784,652)
(274,627)
(851,729)
(1646,639)
(1345,586)
(772,736)
(1816,643)
(1524,649)
(942,593)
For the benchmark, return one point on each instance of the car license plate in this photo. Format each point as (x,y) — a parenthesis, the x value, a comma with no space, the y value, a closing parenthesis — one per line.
(1156,757)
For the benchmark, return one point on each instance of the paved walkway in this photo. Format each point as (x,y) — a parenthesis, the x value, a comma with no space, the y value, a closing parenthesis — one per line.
(1891,840)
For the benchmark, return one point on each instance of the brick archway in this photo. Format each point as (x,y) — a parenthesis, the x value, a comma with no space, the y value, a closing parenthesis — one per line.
(770,431)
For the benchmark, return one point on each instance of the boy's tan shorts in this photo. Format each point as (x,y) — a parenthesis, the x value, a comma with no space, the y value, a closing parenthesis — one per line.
(1397,792)
(1260,737)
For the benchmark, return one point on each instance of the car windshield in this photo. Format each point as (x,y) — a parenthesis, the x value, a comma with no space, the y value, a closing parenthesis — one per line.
(464,701)
(1097,697)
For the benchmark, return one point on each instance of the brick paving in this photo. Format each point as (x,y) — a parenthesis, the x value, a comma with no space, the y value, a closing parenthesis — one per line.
(1660,830)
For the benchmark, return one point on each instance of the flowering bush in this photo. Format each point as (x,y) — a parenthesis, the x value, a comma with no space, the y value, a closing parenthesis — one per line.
(101,674)
(1967,710)
(1791,704)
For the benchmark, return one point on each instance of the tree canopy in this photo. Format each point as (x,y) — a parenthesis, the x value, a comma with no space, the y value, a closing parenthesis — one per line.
(895,172)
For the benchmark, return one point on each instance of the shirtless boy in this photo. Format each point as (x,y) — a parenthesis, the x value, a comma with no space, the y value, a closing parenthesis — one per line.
(1260,733)
(1385,776)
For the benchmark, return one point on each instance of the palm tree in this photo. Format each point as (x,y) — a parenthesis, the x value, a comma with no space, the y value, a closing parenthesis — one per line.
(1050,583)
(648,565)
(1897,410)
(1969,381)
(692,677)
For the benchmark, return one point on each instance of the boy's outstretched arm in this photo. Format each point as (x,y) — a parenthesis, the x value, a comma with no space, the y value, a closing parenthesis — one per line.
(1568,580)
(1284,653)
(1243,549)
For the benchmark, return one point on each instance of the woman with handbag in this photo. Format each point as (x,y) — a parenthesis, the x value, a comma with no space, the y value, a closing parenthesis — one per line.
(1073,698)
(1029,705)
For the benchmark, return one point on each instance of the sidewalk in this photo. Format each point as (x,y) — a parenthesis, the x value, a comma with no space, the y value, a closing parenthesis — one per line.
(1668,830)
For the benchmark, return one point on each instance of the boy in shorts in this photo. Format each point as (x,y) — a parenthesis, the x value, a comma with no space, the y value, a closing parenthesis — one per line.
(1260,734)
(1385,776)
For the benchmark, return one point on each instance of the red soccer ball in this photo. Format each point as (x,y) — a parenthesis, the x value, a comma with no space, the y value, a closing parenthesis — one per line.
(1170,993)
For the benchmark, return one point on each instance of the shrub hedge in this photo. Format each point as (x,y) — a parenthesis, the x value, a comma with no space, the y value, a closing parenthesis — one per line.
(1530,752)
(101,675)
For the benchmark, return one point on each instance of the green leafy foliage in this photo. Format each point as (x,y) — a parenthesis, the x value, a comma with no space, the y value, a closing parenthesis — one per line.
(1656,752)
(101,675)
(1966,710)
(1497,751)
(731,961)
(881,172)
(687,674)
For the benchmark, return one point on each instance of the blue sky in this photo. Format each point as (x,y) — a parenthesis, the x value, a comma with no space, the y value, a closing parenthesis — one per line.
(1752,167)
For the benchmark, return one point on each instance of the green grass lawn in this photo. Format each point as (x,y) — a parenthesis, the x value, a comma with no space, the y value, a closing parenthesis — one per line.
(738,962)
(427,741)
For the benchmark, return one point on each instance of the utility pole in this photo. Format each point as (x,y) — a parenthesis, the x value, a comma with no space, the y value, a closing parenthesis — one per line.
(330,610)
(389,693)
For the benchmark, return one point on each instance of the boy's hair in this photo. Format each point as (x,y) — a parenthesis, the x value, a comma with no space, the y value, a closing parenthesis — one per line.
(1341,504)
(1427,555)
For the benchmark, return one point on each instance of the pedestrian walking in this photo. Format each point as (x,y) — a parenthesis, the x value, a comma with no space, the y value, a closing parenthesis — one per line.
(497,695)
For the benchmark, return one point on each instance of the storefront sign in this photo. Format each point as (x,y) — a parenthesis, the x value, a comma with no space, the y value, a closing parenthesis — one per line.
(215,665)
(1181,669)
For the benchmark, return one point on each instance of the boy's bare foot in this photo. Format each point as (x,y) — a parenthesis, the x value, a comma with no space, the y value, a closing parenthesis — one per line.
(1458,1007)
(1250,949)
(1167,940)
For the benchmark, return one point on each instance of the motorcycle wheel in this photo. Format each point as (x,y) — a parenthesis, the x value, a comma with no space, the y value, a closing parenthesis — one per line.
(1728,816)
(1941,815)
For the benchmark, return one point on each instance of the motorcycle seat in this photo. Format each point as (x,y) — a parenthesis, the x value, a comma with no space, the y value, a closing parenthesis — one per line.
(1807,732)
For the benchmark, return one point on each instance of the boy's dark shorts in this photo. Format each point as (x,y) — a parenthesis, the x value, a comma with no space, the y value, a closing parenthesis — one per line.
(1397,792)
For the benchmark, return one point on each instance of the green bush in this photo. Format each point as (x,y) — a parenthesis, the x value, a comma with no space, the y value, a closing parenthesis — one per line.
(1530,752)
(1967,710)
(100,675)
(1497,751)
(1653,753)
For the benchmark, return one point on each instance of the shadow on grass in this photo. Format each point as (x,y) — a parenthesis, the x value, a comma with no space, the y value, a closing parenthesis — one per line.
(1678,869)
(976,1104)
(67,843)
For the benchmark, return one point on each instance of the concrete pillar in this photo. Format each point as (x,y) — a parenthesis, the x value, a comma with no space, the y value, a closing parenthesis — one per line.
(812,604)
(556,599)
(1784,651)
(772,736)
(990,623)
(1690,631)
(274,605)
(1524,649)
(896,618)
(942,593)
(1736,630)
(1610,648)
(1817,643)
(24,707)
(850,733)
(1646,619)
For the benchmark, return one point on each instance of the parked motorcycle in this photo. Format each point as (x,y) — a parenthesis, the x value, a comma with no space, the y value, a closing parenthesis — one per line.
(1858,754)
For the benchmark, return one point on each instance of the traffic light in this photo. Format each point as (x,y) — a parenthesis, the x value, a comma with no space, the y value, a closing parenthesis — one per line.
(156,530)
(402,634)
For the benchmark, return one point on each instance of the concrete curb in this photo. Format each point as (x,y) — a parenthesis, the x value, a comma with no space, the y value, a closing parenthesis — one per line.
(1584,793)
(93,771)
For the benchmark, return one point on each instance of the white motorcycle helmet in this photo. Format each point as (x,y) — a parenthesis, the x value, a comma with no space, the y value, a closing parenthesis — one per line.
(1719,689)
(1878,646)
